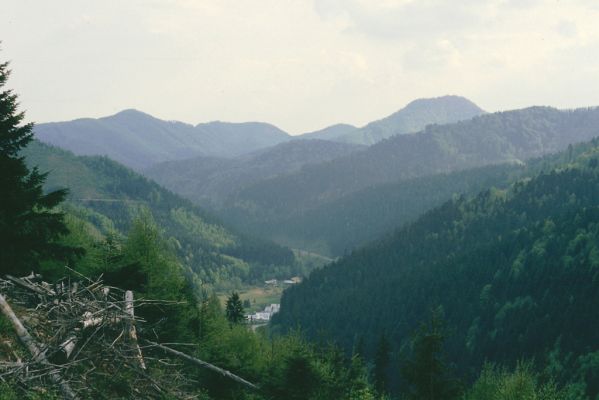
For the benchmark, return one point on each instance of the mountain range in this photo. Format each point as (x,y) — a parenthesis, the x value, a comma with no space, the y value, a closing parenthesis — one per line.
(283,188)
(139,140)
(508,137)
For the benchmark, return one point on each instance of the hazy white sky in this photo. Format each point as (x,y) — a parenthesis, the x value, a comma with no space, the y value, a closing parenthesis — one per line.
(299,64)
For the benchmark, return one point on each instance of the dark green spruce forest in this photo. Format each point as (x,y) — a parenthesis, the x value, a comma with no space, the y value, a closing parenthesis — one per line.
(512,275)
(472,276)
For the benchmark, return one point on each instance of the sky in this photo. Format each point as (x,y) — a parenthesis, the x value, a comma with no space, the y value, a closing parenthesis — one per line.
(298,64)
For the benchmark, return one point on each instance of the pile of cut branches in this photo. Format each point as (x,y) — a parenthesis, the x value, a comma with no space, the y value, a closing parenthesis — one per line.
(83,340)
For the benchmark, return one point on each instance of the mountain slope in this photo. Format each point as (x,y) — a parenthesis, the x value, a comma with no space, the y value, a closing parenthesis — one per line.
(332,132)
(111,195)
(208,180)
(336,227)
(516,275)
(511,137)
(413,118)
(227,139)
(139,140)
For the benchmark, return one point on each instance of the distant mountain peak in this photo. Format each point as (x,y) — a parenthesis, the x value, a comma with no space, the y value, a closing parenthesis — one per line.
(131,112)
(414,117)
(448,98)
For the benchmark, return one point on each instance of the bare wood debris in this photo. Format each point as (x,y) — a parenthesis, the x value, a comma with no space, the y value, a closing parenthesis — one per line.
(81,335)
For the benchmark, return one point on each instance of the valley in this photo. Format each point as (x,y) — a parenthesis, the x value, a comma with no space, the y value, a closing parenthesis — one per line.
(440,252)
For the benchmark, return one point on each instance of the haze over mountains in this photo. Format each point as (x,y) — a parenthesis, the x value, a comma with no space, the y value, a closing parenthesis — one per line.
(413,118)
(332,132)
(209,180)
(139,140)
(507,137)
(267,183)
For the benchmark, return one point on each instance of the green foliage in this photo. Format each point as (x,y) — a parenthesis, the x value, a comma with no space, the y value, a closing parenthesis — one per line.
(425,374)
(381,365)
(147,255)
(335,226)
(522,384)
(9,391)
(297,370)
(514,271)
(29,227)
(234,309)
(332,207)
(110,197)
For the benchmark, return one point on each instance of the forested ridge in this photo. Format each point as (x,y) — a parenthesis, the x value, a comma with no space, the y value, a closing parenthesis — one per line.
(110,196)
(290,208)
(513,271)
(336,227)
(209,180)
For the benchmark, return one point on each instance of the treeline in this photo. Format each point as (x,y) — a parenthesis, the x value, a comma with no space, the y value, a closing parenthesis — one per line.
(515,273)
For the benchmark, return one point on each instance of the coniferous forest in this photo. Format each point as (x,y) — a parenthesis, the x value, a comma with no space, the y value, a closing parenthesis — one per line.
(439,253)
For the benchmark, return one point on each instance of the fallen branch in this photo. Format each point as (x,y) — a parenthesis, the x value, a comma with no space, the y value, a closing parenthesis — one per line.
(35,351)
(203,364)
(26,285)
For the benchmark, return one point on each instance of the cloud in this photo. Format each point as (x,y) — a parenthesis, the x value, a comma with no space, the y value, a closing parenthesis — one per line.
(405,19)
(299,64)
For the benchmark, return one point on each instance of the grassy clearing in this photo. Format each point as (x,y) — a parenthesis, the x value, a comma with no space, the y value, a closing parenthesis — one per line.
(259,297)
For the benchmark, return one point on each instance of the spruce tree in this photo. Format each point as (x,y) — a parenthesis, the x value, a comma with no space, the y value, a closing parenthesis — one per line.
(29,228)
(381,364)
(234,309)
(426,376)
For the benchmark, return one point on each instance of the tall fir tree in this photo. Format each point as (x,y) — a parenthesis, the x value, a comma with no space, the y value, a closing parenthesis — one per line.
(426,376)
(381,365)
(29,227)
(234,309)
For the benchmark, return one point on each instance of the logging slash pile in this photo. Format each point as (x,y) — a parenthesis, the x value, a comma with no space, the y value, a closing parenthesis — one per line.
(76,336)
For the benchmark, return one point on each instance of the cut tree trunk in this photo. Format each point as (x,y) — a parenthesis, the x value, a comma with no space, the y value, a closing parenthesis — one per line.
(129,309)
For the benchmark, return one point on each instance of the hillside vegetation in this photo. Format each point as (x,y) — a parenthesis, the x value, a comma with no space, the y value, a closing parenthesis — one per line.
(209,181)
(282,208)
(110,196)
(513,272)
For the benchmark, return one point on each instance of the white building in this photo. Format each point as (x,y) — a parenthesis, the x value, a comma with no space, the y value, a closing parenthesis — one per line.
(265,315)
